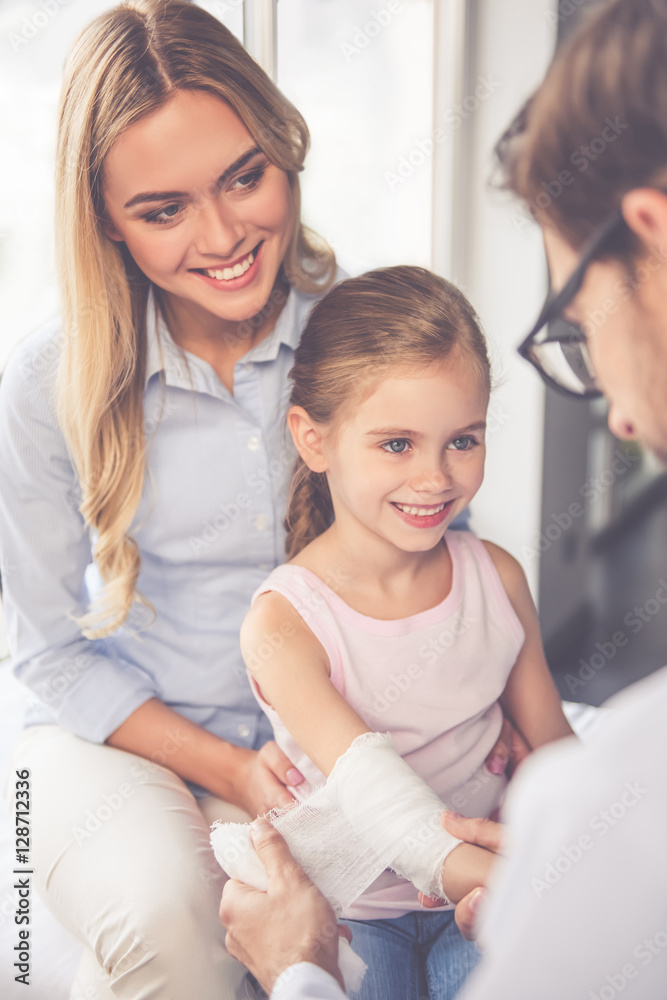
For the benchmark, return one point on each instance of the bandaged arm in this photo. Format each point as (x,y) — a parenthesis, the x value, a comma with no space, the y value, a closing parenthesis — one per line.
(389,807)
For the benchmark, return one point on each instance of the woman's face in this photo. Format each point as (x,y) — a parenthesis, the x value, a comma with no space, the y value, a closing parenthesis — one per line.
(623,312)
(188,189)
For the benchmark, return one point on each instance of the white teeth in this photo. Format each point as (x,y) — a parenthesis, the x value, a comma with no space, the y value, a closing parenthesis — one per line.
(231,272)
(421,511)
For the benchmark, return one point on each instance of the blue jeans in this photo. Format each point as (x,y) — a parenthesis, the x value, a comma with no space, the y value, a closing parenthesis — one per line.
(420,956)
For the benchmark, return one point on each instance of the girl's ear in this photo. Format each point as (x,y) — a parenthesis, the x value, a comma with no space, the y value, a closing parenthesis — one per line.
(307,437)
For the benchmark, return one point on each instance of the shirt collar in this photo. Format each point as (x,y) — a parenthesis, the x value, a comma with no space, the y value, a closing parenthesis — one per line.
(158,339)
(163,354)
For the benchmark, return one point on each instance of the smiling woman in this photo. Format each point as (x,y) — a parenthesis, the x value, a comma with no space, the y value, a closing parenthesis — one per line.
(187,121)
(143,479)
(225,233)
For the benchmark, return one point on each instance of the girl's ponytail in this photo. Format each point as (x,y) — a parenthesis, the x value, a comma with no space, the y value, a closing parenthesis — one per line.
(309,508)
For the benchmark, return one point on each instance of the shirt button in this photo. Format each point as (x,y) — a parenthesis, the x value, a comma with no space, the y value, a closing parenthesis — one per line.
(244,730)
(261,522)
(253,443)
(248,366)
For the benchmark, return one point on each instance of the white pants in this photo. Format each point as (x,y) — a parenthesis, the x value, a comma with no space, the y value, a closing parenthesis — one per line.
(121,856)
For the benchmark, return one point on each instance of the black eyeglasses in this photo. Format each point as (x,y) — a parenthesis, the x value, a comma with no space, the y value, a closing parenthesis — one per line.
(556,347)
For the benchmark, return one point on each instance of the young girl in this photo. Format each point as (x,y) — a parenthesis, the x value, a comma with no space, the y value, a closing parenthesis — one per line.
(382,619)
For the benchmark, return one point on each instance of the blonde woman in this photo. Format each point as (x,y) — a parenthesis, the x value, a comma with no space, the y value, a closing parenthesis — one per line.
(143,480)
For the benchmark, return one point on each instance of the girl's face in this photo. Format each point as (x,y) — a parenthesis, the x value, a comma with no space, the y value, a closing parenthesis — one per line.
(188,189)
(410,457)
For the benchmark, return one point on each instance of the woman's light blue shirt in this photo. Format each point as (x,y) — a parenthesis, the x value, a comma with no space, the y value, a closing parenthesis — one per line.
(209,529)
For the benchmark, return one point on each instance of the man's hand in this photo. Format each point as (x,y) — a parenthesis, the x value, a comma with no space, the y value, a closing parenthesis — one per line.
(484,833)
(291,922)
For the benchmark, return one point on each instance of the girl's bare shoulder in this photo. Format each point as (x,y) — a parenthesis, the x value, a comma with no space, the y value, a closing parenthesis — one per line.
(274,622)
(509,569)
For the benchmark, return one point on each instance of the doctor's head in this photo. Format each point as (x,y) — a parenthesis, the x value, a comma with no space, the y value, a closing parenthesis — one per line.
(588,155)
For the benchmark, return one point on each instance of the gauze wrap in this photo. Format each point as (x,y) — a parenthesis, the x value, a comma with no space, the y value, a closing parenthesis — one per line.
(372,813)
(236,855)
(392,810)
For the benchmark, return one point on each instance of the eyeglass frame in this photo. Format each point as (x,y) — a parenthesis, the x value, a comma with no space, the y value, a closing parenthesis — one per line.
(555,304)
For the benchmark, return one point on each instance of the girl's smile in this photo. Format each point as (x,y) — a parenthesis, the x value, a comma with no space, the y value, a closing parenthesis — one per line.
(423,516)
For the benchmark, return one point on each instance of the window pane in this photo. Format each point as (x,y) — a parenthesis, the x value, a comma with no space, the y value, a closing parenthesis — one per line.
(361,74)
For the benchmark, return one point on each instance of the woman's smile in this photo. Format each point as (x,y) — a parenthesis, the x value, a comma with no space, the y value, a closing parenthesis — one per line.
(235,275)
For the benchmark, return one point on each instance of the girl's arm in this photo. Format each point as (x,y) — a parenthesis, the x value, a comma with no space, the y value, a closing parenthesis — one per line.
(530,698)
(294,679)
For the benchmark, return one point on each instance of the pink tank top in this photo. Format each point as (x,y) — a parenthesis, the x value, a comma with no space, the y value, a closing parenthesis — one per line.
(432,680)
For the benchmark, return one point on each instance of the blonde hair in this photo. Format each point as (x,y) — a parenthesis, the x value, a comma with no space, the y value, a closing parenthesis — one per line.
(125,65)
(391,318)
(607,85)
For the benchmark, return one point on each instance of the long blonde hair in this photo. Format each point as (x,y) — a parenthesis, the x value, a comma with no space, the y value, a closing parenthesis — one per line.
(392,318)
(124,66)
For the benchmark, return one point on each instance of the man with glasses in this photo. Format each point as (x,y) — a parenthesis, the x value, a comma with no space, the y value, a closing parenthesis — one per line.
(557,347)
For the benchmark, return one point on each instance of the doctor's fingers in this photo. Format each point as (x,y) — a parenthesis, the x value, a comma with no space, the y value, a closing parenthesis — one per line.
(475,830)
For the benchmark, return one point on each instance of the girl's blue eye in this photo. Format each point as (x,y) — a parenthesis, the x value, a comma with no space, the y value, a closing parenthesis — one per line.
(464,443)
(402,445)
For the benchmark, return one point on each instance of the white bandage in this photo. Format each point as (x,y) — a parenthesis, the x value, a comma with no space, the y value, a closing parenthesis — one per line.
(393,810)
(322,842)
(236,855)
(373,813)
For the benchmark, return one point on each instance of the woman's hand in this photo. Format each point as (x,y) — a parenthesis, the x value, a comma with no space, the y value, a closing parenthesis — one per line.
(254,780)
(259,779)
(510,750)
(482,833)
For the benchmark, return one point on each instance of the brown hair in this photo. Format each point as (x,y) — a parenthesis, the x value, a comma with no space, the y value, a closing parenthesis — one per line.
(597,125)
(125,65)
(393,317)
